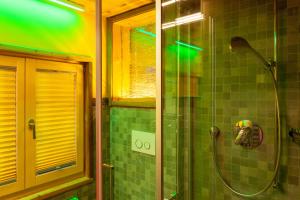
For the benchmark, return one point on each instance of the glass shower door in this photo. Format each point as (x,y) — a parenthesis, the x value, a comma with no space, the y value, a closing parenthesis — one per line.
(187,41)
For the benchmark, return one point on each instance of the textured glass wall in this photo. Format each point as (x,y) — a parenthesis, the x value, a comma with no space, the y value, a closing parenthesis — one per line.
(142,65)
(133,58)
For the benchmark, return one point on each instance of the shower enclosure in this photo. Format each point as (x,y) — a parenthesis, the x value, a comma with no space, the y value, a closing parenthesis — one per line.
(220,127)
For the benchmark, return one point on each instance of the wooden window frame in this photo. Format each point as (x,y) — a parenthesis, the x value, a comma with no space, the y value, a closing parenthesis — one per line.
(31,178)
(124,102)
(78,179)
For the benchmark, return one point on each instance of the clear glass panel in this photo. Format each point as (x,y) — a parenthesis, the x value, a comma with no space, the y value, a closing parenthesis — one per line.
(128,126)
(205,84)
(186,71)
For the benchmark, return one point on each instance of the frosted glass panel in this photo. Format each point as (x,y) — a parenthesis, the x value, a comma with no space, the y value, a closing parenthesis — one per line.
(133,58)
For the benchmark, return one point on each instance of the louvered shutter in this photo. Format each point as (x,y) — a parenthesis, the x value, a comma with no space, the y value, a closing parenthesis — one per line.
(11,124)
(55,103)
(55,120)
(8,125)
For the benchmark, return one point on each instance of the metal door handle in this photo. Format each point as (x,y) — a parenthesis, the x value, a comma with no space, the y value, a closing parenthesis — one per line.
(31,125)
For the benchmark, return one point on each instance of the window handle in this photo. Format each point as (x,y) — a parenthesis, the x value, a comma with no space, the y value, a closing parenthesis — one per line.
(31,124)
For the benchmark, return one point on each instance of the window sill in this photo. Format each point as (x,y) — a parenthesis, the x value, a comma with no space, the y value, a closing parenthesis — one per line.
(134,102)
(59,189)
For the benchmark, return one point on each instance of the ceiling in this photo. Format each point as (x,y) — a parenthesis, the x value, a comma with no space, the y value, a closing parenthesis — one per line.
(89,5)
(138,20)
(114,7)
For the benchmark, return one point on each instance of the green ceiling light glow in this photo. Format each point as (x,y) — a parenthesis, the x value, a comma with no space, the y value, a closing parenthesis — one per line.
(48,28)
(74,198)
(189,46)
(177,42)
(69,5)
(145,32)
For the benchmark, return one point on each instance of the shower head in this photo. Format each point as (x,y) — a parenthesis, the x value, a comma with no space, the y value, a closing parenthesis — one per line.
(241,45)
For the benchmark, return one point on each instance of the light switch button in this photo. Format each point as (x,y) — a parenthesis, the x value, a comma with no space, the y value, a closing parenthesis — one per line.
(147,145)
(138,144)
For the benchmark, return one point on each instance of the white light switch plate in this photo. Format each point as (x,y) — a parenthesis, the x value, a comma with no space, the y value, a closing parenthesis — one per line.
(143,142)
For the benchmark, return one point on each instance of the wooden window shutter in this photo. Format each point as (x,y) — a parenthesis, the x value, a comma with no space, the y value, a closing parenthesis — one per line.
(8,125)
(58,109)
(11,124)
(55,120)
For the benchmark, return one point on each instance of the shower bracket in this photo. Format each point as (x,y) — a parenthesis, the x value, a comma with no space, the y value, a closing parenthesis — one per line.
(271,64)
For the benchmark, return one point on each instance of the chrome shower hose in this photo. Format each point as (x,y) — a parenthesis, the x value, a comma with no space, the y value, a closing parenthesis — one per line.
(273,181)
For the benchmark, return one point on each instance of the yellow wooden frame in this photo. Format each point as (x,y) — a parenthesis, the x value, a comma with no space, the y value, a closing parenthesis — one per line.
(19,63)
(12,54)
(118,72)
(31,66)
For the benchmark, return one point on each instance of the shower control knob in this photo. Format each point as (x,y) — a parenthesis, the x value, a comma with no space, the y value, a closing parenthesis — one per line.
(247,134)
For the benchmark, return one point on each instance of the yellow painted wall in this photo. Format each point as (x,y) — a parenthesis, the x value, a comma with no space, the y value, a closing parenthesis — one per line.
(104,54)
(38,24)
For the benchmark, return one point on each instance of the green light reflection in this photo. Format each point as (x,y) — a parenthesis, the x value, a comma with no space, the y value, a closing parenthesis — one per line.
(37,24)
(177,42)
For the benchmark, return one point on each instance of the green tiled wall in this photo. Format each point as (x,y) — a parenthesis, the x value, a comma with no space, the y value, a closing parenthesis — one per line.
(134,173)
(244,91)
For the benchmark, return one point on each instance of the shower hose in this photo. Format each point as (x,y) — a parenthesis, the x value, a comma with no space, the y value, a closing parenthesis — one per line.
(274,181)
